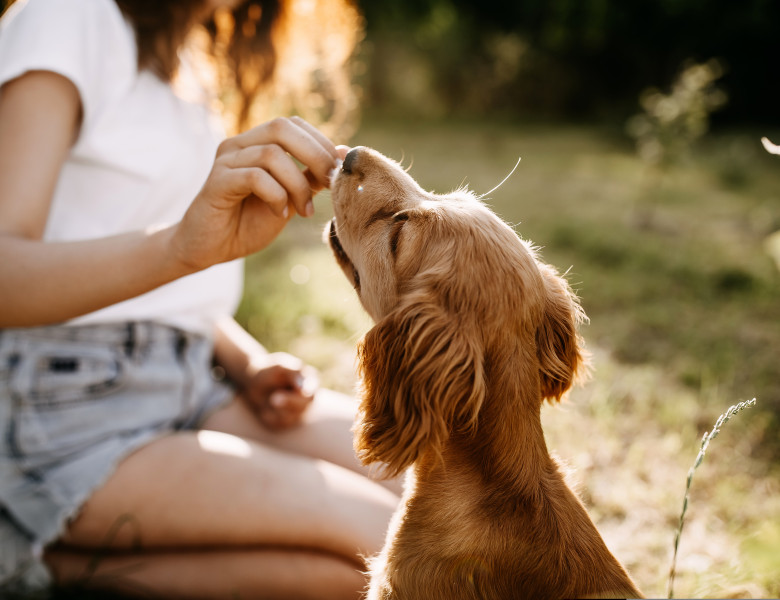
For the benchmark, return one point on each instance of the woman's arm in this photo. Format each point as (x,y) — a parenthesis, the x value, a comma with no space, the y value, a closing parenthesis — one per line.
(46,283)
(245,202)
(40,114)
(236,351)
(277,387)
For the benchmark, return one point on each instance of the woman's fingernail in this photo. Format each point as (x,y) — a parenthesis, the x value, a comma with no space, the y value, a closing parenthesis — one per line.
(333,173)
(309,385)
(286,211)
(309,208)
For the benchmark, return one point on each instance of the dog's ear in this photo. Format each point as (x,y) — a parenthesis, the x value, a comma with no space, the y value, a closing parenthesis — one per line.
(558,345)
(422,377)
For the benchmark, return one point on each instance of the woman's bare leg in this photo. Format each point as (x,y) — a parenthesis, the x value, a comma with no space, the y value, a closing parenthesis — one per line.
(326,432)
(211,489)
(251,574)
(288,516)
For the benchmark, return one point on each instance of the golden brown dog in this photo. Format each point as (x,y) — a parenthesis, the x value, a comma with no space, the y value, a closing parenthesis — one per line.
(472,333)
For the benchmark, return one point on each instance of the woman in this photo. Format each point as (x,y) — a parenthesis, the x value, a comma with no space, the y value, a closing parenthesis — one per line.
(124,466)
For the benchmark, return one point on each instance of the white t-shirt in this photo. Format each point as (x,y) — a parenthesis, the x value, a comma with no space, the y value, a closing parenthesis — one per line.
(142,154)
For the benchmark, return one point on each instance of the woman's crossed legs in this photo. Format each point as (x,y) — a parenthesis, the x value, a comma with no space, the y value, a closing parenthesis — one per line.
(234,511)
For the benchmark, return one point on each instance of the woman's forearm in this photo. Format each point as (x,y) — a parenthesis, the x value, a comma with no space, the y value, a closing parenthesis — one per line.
(49,282)
(236,350)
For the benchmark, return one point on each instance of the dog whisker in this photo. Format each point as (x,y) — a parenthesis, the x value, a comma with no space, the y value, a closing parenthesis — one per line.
(503,181)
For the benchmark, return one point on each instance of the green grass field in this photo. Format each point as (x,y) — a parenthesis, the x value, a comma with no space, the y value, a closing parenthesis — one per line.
(674,270)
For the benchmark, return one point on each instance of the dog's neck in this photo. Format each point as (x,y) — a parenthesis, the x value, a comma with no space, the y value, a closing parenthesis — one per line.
(510,439)
(508,452)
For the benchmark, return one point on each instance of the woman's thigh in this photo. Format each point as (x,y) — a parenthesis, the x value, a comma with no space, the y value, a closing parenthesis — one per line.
(326,432)
(211,489)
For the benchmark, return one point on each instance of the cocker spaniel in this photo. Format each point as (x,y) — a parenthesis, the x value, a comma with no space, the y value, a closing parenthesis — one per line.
(473,332)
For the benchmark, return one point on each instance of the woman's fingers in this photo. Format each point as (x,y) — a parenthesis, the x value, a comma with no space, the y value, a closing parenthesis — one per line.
(317,135)
(247,181)
(289,402)
(271,170)
(273,160)
(298,138)
(275,146)
(285,409)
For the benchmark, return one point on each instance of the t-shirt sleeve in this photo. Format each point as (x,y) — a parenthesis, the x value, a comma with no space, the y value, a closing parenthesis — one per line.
(86,41)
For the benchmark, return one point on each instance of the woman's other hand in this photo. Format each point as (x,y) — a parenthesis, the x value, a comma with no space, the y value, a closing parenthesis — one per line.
(281,390)
(253,189)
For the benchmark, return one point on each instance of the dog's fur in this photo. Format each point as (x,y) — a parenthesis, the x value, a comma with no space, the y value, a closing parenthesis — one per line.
(472,333)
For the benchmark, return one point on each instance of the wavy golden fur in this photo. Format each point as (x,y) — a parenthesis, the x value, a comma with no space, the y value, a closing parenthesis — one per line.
(472,333)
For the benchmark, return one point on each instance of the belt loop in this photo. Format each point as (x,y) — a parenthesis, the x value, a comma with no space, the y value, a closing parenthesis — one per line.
(131,339)
(181,344)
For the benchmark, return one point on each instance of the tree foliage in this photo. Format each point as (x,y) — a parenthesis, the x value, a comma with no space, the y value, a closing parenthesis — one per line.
(590,56)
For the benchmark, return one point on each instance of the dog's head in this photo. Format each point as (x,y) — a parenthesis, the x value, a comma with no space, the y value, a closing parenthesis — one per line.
(454,293)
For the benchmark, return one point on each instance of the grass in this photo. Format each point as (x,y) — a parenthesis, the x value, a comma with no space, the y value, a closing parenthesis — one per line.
(683,299)
(705,442)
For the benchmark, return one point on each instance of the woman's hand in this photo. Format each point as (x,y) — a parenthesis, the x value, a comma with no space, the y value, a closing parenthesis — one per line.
(252,191)
(280,391)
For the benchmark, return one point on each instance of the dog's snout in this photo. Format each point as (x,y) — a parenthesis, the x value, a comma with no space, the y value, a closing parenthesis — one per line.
(350,160)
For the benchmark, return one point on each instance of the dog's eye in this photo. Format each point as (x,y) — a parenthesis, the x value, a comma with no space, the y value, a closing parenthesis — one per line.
(356,278)
(395,234)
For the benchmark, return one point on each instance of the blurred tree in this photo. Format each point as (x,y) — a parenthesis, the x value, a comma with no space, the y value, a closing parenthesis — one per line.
(591,56)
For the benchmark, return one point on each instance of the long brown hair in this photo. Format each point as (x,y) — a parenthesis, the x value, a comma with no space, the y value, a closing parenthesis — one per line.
(267,56)
(306,44)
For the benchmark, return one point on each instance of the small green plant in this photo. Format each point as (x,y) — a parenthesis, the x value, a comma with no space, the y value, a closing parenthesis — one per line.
(670,123)
(705,442)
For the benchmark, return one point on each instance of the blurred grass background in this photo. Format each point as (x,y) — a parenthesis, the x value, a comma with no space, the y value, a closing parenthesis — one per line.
(643,174)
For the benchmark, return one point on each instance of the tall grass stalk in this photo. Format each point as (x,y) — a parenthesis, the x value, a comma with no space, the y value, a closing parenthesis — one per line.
(705,442)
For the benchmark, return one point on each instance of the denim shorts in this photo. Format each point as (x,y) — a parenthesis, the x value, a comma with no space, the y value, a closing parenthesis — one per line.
(74,401)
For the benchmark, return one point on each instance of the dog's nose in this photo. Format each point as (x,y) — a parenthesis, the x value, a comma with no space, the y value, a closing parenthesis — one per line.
(350,160)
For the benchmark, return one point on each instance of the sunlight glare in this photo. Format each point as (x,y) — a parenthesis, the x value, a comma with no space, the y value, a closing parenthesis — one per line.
(304,7)
(224,443)
(300,274)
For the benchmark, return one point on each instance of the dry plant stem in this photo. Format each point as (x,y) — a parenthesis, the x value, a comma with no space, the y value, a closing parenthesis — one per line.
(705,442)
(770,147)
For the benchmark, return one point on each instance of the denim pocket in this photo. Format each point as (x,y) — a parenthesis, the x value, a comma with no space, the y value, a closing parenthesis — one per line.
(58,378)
(57,395)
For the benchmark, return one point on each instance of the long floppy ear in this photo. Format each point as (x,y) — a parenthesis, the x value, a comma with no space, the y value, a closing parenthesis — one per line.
(559,347)
(422,377)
